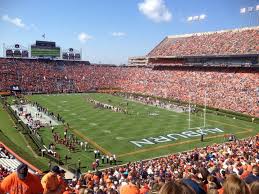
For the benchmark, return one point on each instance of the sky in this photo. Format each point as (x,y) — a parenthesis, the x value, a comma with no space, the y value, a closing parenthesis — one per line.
(110,31)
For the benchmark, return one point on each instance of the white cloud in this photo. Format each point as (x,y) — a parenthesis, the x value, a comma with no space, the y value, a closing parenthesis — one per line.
(155,10)
(83,37)
(118,34)
(189,18)
(16,21)
(196,17)
(243,10)
(202,16)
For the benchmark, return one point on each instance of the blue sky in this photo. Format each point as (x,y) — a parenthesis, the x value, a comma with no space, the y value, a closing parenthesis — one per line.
(109,31)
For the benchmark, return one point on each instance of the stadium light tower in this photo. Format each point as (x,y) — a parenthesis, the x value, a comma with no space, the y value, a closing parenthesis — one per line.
(250,10)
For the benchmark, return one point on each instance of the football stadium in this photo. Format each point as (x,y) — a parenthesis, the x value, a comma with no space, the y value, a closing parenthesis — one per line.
(181,118)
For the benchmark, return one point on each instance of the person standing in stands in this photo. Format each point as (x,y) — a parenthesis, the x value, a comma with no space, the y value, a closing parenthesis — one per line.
(61,180)
(21,182)
(50,182)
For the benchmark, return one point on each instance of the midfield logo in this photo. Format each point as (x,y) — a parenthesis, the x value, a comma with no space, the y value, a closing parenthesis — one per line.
(175,136)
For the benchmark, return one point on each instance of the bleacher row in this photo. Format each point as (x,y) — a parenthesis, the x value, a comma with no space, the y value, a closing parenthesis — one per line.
(229,42)
(8,162)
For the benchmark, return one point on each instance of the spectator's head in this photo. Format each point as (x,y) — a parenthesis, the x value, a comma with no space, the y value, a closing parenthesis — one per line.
(22,171)
(234,185)
(175,188)
(212,182)
(254,187)
(55,169)
(255,170)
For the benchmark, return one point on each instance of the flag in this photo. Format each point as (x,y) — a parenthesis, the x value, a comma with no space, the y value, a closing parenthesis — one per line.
(43,35)
(243,10)
(257,8)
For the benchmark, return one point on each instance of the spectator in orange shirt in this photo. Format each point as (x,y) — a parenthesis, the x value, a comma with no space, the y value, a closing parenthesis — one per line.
(21,182)
(51,183)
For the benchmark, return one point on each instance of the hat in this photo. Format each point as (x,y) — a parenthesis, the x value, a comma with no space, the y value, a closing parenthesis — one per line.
(55,169)
(22,171)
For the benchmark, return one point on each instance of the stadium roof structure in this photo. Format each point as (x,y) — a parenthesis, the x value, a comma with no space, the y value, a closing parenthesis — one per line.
(236,42)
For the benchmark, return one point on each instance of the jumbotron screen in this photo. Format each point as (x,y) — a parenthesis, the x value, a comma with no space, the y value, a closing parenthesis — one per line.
(45,52)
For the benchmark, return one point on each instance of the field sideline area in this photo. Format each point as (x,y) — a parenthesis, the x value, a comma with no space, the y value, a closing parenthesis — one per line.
(145,132)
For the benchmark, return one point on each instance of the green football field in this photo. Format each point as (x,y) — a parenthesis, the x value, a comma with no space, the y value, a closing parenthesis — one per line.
(145,132)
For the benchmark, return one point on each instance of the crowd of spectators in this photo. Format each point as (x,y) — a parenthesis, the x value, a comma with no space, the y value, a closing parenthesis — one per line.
(217,168)
(4,153)
(234,89)
(4,172)
(206,167)
(47,76)
(226,88)
(230,42)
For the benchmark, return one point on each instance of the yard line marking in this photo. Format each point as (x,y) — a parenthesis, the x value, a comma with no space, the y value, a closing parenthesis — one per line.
(93,143)
(179,143)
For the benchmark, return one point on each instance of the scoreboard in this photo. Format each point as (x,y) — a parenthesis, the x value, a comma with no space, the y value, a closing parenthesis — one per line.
(45,52)
(45,49)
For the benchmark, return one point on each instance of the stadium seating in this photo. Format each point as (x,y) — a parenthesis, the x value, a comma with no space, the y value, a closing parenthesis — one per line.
(230,42)
(230,88)
(8,163)
(226,87)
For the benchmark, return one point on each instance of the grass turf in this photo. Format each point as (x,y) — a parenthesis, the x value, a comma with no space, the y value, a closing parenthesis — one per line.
(113,131)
